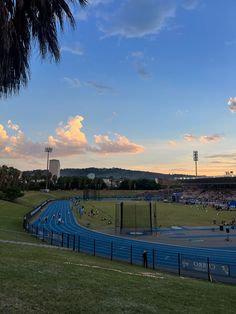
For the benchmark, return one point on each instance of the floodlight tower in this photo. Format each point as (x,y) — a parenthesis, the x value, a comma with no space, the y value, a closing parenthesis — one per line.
(195,159)
(47,150)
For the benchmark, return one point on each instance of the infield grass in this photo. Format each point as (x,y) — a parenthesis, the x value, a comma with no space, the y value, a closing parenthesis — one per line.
(168,214)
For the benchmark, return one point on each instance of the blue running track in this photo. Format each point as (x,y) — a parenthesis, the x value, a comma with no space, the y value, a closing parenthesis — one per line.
(199,262)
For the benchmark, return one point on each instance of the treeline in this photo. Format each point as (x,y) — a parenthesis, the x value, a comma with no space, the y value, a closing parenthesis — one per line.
(10,183)
(80,183)
(141,184)
(36,180)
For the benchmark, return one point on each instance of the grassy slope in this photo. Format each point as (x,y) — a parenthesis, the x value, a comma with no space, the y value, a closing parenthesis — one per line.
(39,280)
(11,214)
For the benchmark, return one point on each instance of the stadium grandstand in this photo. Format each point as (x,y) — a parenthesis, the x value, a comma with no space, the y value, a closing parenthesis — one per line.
(224,182)
(219,192)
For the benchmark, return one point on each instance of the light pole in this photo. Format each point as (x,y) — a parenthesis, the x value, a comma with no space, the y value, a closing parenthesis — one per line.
(47,150)
(195,159)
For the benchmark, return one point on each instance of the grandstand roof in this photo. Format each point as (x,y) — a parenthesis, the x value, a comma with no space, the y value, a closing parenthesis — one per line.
(197,181)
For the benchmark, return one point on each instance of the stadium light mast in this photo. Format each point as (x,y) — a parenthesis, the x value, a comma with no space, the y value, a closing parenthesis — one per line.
(47,150)
(195,159)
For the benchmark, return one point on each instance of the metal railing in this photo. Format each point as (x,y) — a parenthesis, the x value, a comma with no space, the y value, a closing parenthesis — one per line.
(212,269)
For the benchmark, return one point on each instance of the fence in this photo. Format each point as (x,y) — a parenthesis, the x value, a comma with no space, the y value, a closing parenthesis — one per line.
(28,216)
(212,269)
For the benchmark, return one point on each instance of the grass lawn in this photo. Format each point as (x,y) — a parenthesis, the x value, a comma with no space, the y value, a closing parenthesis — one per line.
(168,214)
(11,214)
(45,280)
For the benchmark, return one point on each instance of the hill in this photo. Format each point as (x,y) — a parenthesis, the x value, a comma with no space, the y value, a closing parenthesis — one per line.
(117,173)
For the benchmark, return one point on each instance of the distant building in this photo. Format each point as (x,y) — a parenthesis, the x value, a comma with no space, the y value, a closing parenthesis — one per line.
(54,167)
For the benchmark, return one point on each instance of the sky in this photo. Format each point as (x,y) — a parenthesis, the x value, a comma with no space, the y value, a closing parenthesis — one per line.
(141,84)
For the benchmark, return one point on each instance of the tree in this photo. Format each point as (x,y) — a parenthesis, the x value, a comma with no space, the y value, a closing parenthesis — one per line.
(10,194)
(21,23)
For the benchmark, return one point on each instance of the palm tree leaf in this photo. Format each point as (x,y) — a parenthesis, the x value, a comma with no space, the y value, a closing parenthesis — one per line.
(24,21)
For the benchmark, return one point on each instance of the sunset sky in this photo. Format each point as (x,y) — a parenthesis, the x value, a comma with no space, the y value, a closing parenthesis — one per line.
(140,85)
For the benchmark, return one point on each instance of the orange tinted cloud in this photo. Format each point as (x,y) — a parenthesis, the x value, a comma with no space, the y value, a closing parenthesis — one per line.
(71,132)
(189,137)
(69,140)
(205,139)
(120,144)
(3,134)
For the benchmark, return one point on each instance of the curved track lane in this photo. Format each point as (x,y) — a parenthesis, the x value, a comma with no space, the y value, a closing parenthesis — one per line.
(166,256)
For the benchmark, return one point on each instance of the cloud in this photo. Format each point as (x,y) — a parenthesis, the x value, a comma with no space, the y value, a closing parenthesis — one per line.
(230,42)
(172,143)
(12,126)
(139,64)
(141,70)
(139,18)
(76,49)
(68,140)
(205,139)
(3,134)
(16,145)
(190,4)
(137,54)
(73,82)
(226,156)
(84,13)
(121,144)
(100,88)
(99,2)
(71,132)
(181,113)
(189,137)
(232,104)
(113,116)
(81,15)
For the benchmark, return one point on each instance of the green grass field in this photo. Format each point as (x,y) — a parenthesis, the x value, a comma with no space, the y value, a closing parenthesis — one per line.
(47,280)
(44,280)
(168,214)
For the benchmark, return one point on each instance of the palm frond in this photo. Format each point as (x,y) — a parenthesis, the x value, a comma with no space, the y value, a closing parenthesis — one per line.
(21,22)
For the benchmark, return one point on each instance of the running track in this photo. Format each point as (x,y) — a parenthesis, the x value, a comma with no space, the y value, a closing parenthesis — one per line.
(163,256)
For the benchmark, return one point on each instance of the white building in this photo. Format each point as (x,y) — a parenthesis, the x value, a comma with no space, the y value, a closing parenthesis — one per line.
(54,167)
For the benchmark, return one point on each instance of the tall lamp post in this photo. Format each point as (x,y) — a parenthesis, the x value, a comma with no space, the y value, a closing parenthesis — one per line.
(195,159)
(47,150)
